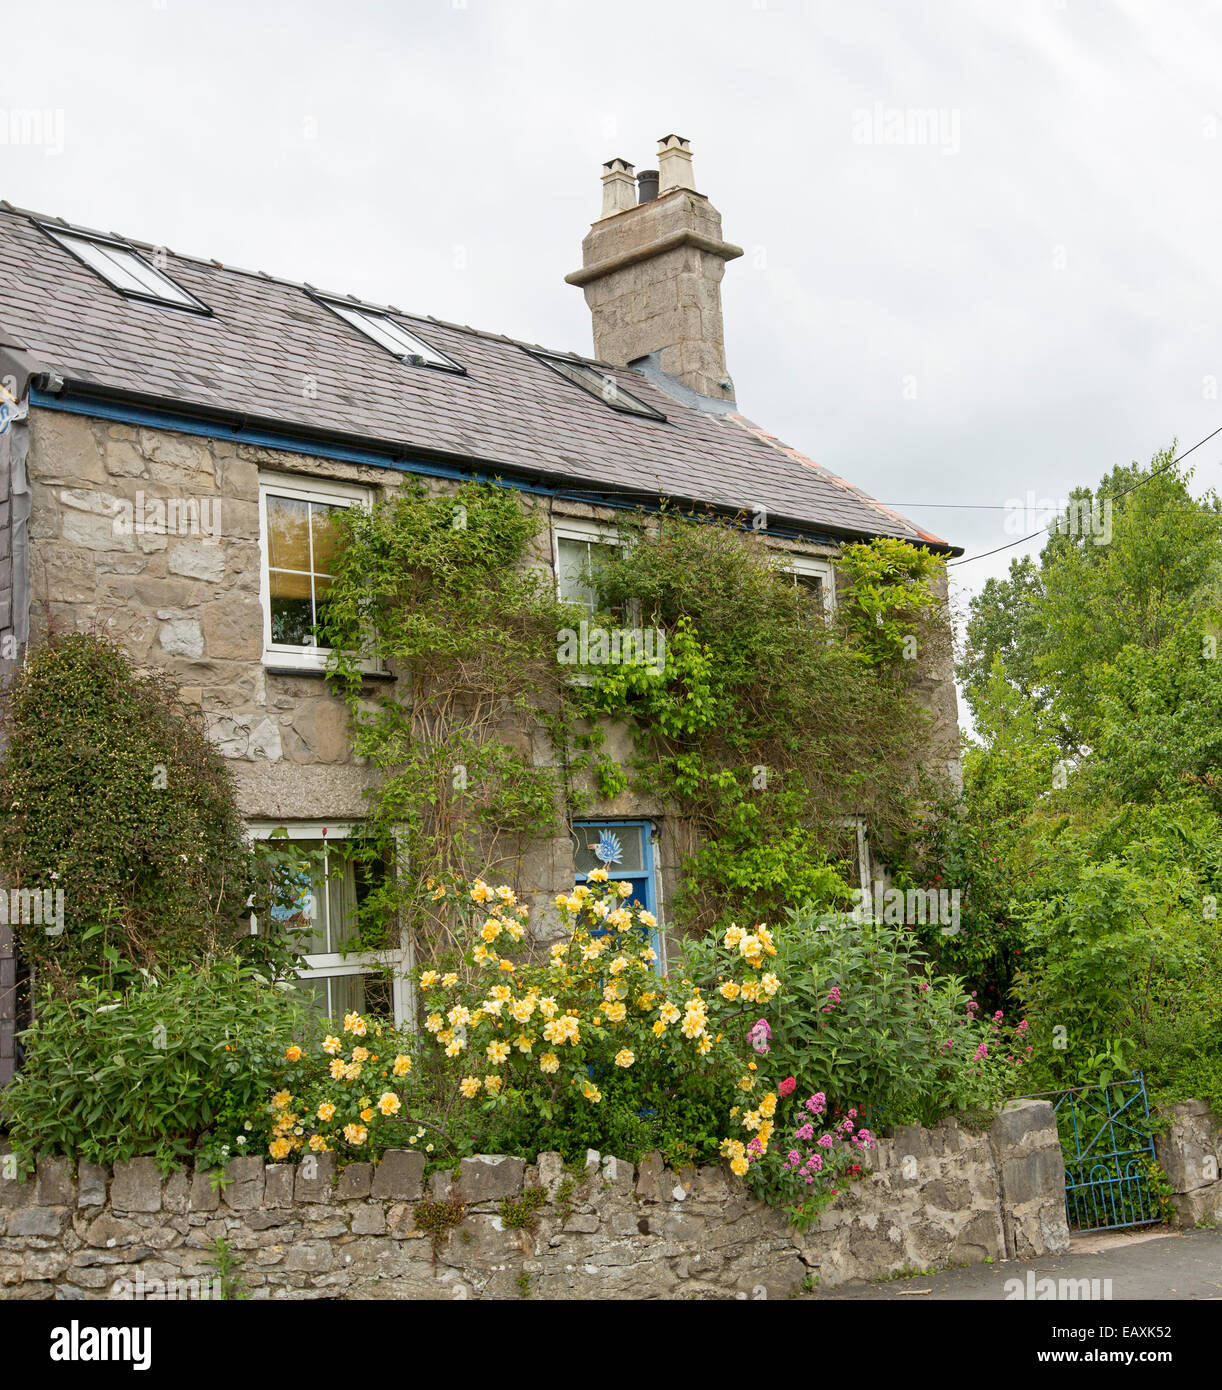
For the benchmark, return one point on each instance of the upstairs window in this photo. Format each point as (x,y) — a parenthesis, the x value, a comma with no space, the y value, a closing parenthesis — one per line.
(392,336)
(580,548)
(600,384)
(817,577)
(124,269)
(299,550)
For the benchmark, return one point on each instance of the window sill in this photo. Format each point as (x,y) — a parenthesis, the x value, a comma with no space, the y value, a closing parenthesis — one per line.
(276,669)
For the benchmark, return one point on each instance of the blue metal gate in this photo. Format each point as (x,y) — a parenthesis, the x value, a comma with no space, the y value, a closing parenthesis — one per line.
(1109,1155)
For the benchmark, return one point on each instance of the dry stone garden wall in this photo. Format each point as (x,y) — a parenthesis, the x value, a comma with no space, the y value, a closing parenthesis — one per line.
(502,1228)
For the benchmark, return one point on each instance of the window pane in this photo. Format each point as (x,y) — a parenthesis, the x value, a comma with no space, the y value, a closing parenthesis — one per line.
(288,534)
(341,900)
(292,612)
(125,268)
(631,840)
(577,562)
(322,530)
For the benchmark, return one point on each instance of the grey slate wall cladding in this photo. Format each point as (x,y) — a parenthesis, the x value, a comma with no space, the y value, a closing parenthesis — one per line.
(928,1198)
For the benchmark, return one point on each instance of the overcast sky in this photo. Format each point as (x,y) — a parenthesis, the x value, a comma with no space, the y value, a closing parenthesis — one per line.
(1014,305)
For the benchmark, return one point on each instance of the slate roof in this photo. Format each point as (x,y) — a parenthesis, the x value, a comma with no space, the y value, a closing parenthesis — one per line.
(266,338)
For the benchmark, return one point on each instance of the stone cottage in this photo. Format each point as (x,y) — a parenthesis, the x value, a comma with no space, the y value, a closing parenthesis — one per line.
(174,434)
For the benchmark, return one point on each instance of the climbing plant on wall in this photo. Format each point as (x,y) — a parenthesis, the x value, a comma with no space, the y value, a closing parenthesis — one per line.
(765,727)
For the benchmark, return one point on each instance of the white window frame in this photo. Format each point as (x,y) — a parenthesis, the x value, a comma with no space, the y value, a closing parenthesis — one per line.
(325,491)
(330,964)
(820,569)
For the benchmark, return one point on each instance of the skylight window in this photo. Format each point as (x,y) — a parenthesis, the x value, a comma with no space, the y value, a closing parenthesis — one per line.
(123,268)
(391,335)
(600,384)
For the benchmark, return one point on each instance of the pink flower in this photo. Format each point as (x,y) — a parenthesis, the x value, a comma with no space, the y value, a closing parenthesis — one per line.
(998,1016)
(754,1146)
(759,1034)
(1022,1027)
(817,1104)
(981,1052)
(794,1158)
(826,1140)
(833,995)
(806,1131)
(787,1086)
(853,1114)
(815,1163)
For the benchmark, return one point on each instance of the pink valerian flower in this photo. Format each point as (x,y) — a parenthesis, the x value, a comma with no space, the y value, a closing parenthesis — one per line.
(1022,1027)
(826,1140)
(844,1126)
(948,1044)
(817,1104)
(981,1052)
(833,995)
(759,1034)
(853,1113)
(815,1163)
(998,1016)
(755,1148)
(793,1159)
(806,1131)
(787,1086)
(972,1006)
(863,1139)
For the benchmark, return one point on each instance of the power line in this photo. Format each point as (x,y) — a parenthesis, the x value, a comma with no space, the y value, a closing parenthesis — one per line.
(967,559)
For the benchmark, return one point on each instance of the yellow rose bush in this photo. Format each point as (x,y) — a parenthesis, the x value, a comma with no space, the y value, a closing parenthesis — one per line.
(522,1047)
(583,1043)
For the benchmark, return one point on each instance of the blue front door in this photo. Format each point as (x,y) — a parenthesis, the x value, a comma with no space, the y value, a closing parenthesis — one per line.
(633,864)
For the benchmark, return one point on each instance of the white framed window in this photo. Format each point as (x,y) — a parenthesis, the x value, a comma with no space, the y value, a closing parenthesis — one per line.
(338,979)
(817,576)
(577,546)
(298,551)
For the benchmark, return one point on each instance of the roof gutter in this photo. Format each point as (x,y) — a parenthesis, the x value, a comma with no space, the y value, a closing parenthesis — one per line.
(83,397)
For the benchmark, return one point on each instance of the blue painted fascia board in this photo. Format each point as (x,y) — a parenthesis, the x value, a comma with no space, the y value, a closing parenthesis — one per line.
(149,418)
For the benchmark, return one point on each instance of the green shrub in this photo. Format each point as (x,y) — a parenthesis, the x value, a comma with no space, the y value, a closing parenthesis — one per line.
(112,796)
(112,1076)
(863,1020)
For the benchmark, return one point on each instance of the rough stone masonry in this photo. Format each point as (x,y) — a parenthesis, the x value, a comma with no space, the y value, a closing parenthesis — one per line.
(609,1229)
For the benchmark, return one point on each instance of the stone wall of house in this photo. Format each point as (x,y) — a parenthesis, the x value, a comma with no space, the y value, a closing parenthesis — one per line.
(929,1198)
(1190,1153)
(190,604)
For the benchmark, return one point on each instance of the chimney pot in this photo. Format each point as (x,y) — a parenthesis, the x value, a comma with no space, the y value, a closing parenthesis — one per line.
(675,164)
(647,185)
(619,187)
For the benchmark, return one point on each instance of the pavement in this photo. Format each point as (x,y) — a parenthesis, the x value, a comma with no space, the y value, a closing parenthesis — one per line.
(1157,1264)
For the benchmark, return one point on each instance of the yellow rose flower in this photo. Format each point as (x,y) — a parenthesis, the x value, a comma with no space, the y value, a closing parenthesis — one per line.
(449,981)
(338,1069)
(332,1046)
(620,964)
(728,990)
(597,876)
(389,1103)
(279,1148)
(434,1023)
(281,1099)
(624,1057)
(318,1144)
(428,979)
(493,1083)
(403,1064)
(480,893)
(469,1086)
(738,1166)
(549,1062)
(325,1111)
(355,1134)
(293,1053)
(360,1054)
(352,1071)
(497,1052)
(616,1013)
(367,1114)
(768,1104)
(355,1024)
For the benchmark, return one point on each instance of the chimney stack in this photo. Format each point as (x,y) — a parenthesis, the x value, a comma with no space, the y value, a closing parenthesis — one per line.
(651,272)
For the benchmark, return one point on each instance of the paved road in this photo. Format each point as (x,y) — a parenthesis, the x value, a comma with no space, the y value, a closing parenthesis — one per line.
(1141,1265)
